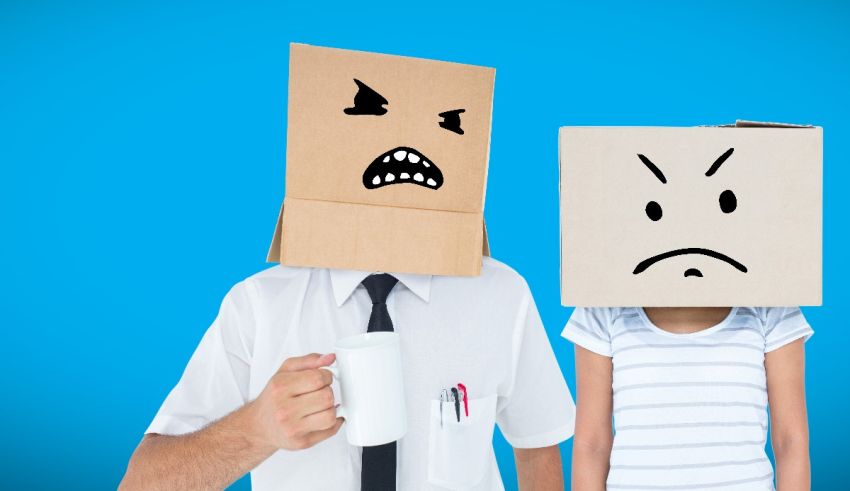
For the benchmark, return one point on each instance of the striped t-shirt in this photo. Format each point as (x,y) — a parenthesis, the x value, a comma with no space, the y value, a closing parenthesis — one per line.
(690,410)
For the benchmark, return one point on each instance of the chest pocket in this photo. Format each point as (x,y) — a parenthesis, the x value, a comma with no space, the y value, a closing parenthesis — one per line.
(459,453)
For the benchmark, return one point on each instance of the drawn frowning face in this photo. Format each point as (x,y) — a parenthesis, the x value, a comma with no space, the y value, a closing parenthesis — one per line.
(728,203)
(690,216)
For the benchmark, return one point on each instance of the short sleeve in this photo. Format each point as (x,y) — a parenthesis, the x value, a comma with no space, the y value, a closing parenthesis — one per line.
(538,410)
(589,328)
(215,381)
(784,325)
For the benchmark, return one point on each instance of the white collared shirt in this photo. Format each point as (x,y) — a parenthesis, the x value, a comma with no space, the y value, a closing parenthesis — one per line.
(482,331)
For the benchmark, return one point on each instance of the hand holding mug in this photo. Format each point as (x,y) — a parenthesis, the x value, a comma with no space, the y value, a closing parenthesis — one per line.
(297,410)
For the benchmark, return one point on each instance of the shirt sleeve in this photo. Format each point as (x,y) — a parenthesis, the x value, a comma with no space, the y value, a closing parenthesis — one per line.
(539,410)
(784,325)
(589,328)
(215,382)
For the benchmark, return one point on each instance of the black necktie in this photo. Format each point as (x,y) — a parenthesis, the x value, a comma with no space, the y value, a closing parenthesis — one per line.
(378,469)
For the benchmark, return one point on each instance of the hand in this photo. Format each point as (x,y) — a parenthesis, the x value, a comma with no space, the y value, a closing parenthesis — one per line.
(296,410)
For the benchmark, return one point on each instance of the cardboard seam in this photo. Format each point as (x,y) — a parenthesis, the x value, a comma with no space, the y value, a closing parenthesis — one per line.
(386,206)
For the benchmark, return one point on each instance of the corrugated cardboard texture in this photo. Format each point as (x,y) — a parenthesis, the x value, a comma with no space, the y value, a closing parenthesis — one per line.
(332,218)
(774,232)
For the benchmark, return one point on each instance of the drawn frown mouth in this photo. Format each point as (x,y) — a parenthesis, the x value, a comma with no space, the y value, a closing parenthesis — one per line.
(646,263)
(402,165)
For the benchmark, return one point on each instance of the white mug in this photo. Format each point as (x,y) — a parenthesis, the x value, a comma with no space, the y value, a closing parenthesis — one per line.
(368,368)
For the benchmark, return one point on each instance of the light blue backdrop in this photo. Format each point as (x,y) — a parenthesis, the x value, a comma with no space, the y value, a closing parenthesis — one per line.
(142,164)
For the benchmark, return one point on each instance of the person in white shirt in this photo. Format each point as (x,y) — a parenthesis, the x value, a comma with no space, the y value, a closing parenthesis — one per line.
(252,397)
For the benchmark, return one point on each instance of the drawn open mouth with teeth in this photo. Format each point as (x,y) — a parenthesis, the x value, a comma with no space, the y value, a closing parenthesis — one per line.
(402,165)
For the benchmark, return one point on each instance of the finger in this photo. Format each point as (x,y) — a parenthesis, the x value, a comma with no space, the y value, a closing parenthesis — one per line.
(322,435)
(307,362)
(314,402)
(307,381)
(319,421)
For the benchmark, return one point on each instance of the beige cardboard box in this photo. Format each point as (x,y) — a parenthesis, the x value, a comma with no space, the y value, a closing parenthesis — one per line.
(701,216)
(386,163)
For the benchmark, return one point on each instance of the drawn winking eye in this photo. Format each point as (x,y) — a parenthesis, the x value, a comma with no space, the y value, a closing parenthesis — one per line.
(451,120)
(366,102)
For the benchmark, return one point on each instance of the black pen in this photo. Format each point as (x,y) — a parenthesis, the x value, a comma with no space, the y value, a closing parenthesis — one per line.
(457,403)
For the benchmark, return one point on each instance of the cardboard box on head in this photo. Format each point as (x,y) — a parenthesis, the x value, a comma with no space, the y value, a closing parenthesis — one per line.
(703,216)
(386,163)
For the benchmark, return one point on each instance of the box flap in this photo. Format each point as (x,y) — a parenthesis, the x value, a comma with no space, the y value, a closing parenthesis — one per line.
(274,249)
(274,254)
(743,123)
(347,236)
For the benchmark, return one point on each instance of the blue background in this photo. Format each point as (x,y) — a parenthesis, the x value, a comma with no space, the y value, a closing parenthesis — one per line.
(142,164)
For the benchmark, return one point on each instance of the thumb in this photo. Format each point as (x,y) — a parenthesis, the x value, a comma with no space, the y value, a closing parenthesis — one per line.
(307,362)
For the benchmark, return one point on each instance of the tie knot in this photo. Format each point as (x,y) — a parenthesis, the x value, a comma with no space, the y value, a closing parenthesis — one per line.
(379,286)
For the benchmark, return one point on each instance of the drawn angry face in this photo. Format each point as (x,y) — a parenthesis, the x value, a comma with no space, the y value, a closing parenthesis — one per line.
(728,203)
(402,164)
(690,216)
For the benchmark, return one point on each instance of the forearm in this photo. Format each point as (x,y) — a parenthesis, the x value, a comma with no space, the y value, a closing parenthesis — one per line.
(594,438)
(786,394)
(793,471)
(539,468)
(590,466)
(211,458)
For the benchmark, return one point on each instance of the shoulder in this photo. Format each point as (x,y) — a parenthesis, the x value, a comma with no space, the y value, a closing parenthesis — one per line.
(273,281)
(769,317)
(497,287)
(592,327)
(606,315)
(280,272)
(494,274)
(603,318)
(495,271)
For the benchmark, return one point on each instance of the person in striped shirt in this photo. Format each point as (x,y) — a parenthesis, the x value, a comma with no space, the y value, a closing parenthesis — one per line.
(688,390)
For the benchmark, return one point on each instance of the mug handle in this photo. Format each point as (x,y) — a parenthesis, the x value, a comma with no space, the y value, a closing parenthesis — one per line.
(334,369)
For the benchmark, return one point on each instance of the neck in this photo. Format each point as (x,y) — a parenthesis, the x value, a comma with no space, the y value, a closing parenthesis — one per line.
(686,320)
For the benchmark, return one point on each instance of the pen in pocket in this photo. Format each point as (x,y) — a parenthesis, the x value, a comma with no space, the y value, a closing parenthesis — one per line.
(462,388)
(444,398)
(455,396)
(456,400)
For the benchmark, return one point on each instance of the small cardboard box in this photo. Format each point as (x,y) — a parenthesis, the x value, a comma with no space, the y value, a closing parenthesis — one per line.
(701,216)
(386,163)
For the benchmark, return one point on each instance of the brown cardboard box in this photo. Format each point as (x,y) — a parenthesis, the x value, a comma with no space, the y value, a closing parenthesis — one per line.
(703,216)
(386,163)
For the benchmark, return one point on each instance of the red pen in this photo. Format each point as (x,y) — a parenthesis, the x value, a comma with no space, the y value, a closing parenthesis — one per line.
(465,399)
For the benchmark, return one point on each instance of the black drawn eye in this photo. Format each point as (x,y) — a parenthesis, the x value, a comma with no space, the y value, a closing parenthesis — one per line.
(728,201)
(366,102)
(451,120)
(653,211)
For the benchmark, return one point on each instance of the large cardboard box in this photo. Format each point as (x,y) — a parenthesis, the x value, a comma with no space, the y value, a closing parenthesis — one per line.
(386,163)
(701,216)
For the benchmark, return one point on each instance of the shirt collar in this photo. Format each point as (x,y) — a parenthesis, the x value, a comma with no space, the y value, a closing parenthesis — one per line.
(345,281)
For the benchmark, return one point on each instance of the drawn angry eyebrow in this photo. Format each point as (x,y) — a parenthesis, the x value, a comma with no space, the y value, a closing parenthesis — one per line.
(717,163)
(655,170)
(367,101)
